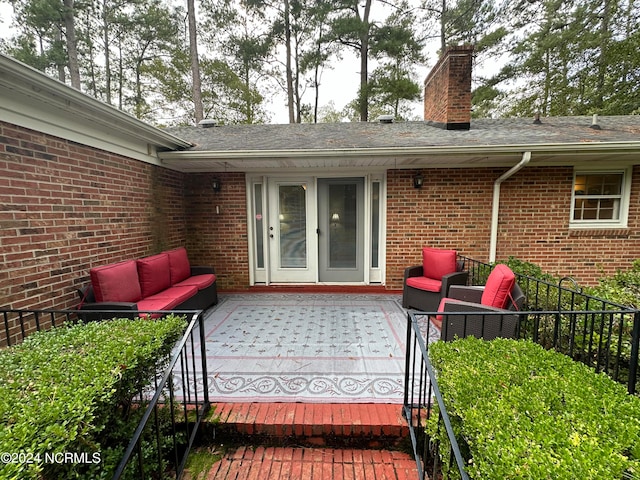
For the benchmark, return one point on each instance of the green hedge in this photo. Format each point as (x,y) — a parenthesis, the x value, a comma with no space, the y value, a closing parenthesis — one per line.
(68,391)
(622,287)
(524,412)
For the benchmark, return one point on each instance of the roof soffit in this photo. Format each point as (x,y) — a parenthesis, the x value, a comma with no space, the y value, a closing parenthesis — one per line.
(18,80)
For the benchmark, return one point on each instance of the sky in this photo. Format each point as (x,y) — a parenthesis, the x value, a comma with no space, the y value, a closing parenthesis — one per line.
(340,85)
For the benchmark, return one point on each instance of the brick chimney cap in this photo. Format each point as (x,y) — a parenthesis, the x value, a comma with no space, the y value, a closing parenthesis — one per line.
(458,48)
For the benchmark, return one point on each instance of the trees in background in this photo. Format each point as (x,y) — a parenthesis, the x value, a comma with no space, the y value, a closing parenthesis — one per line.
(568,57)
(393,41)
(397,49)
(147,57)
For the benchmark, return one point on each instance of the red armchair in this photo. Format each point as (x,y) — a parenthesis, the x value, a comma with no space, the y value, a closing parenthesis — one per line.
(425,285)
(500,294)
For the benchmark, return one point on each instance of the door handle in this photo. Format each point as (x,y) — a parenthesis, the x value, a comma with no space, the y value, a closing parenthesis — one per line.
(317,231)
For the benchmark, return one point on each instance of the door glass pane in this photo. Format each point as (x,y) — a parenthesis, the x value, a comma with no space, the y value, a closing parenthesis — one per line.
(292,214)
(259,225)
(375,225)
(342,226)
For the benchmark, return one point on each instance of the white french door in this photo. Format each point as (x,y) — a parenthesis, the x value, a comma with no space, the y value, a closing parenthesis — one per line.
(291,229)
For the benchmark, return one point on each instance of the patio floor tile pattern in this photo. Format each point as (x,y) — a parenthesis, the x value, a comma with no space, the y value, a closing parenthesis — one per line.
(316,348)
(313,422)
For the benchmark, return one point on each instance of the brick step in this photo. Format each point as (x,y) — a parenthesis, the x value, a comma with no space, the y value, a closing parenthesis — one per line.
(363,425)
(282,463)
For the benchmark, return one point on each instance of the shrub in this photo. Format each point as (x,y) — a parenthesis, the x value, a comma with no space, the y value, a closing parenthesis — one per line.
(66,390)
(529,269)
(523,412)
(623,287)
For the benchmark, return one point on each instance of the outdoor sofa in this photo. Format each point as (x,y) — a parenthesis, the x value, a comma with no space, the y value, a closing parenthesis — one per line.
(165,281)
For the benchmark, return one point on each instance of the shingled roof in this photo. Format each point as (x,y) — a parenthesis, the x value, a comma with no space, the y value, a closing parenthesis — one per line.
(489,142)
(363,135)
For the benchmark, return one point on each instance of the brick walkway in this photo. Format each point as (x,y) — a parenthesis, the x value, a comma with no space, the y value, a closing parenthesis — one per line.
(314,463)
(313,422)
(313,441)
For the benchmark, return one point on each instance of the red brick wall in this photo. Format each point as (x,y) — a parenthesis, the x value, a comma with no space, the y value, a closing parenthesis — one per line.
(65,208)
(453,210)
(219,239)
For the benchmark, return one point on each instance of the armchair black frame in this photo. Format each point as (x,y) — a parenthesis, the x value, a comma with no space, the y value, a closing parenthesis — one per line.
(424,300)
(487,323)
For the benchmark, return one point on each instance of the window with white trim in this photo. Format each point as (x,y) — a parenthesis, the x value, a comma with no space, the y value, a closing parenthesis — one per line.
(600,199)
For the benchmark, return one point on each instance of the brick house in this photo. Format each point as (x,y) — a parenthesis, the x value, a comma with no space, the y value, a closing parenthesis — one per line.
(84,184)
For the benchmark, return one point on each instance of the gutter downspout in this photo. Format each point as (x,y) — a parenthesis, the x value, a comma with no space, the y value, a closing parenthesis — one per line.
(526,158)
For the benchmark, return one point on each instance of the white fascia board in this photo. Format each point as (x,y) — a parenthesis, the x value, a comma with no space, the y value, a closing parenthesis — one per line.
(475,150)
(30,99)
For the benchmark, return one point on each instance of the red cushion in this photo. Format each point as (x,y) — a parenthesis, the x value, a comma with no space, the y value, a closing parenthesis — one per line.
(179,265)
(436,262)
(117,282)
(424,283)
(199,281)
(444,301)
(167,299)
(154,274)
(499,284)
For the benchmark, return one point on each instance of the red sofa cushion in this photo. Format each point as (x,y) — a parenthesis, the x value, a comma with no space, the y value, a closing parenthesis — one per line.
(167,299)
(154,274)
(437,262)
(179,265)
(116,282)
(498,287)
(424,283)
(199,281)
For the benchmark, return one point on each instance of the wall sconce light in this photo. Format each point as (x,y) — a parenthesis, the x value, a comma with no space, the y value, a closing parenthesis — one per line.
(418,181)
(216,185)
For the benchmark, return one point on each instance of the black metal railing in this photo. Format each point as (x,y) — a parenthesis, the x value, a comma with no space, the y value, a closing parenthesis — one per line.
(186,406)
(595,338)
(594,331)
(19,324)
(543,294)
(176,402)
(560,316)
(421,394)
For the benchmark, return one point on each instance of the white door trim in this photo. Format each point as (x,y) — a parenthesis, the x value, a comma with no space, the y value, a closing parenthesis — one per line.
(262,275)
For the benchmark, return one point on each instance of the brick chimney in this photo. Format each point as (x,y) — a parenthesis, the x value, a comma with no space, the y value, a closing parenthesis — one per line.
(447,90)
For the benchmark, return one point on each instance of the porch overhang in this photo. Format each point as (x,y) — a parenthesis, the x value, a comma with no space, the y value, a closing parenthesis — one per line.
(387,158)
